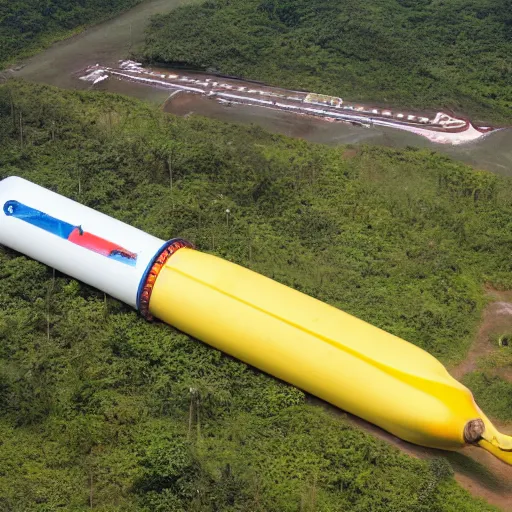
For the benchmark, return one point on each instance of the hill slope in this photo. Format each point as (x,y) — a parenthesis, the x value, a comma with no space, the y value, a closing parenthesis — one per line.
(96,408)
(29,25)
(415,53)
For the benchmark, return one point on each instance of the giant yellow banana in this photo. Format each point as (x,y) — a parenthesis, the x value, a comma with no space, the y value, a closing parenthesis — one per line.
(322,350)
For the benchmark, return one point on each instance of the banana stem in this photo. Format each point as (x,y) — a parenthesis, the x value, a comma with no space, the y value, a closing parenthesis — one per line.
(500,445)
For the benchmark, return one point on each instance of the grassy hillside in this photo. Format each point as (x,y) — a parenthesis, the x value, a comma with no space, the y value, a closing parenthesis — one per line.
(454,54)
(95,403)
(29,25)
(493,394)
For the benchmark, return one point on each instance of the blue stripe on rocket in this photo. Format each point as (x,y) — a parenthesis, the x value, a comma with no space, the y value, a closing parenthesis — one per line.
(74,234)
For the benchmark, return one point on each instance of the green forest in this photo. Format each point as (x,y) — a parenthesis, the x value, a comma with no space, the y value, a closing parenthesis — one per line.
(453,54)
(30,25)
(100,409)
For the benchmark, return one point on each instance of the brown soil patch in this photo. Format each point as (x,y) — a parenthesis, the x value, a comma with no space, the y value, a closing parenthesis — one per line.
(483,475)
(181,104)
(349,154)
(496,320)
(505,373)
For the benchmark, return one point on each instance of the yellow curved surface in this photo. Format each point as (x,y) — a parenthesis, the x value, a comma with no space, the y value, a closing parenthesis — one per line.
(316,347)
(500,445)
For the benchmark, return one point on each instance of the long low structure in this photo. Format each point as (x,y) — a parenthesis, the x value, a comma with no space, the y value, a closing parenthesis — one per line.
(442,128)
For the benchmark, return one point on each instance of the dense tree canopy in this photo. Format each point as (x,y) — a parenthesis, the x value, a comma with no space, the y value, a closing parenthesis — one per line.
(454,54)
(101,409)
(26,25)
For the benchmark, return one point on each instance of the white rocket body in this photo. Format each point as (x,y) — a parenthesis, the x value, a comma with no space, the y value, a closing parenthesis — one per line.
(74,239)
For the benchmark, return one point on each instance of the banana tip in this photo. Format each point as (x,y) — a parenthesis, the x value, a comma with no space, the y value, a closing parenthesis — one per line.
(483,433)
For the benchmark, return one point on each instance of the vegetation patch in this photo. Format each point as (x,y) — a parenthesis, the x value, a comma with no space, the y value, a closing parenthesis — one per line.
(505,340)
(415,54)
(28,26)
(492,393)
